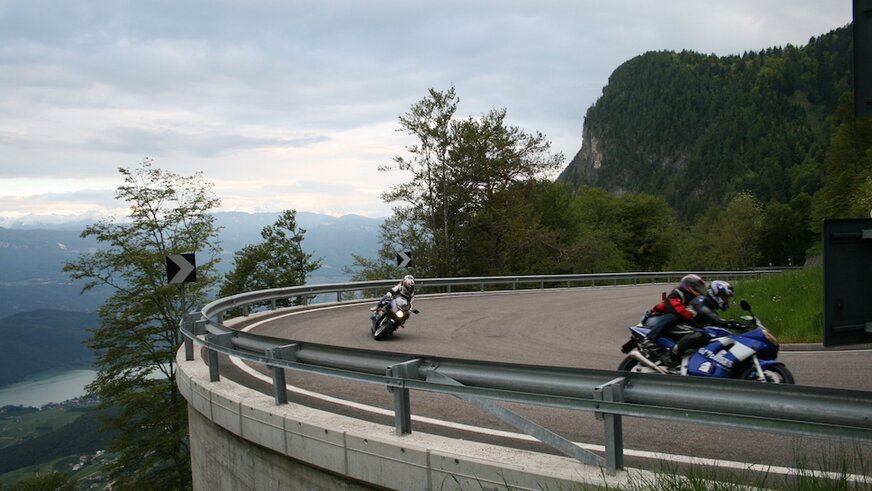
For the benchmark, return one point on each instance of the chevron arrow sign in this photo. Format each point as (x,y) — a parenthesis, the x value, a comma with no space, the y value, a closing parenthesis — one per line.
(404,259)
(181,268)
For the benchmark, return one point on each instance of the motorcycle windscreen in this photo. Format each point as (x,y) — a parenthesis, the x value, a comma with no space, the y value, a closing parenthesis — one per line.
(402,303)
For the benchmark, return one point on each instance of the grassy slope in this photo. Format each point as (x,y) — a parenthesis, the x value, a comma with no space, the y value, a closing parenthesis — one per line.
(789,304)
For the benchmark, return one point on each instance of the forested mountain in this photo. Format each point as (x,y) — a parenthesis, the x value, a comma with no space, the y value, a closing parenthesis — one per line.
(697,129)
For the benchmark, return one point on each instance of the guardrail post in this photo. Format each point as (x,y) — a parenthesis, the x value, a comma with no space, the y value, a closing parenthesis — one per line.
(198,328)
(224,340)
(396,385)
(287,352)
(612,391)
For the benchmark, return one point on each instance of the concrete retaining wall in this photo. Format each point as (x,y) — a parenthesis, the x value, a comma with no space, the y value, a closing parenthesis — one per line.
(240,439)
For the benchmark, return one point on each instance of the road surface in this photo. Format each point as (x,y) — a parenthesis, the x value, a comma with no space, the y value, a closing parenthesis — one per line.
(577,327)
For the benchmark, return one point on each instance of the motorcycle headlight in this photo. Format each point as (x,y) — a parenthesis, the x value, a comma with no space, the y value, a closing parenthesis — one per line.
(770,337)
(400,314)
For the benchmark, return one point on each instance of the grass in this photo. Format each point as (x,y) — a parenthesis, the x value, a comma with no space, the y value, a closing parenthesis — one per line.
(16,428)
(790,304)
(839,468)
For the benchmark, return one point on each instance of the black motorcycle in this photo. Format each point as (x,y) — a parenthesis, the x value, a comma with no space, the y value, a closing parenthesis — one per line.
(390,316)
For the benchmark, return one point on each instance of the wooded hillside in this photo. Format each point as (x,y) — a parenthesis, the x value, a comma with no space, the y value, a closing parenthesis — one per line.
(697,129)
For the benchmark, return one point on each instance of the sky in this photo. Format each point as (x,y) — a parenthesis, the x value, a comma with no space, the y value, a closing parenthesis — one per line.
(290,104)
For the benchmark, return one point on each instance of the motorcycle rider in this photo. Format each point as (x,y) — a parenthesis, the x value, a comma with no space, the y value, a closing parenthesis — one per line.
(405,288)
(717,297)
(673,309)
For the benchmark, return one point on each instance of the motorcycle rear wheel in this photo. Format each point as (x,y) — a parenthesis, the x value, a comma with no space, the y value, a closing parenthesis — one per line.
(775,374)
(628,365)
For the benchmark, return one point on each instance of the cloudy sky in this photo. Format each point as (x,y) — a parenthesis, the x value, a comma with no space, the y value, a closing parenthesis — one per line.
(294,104)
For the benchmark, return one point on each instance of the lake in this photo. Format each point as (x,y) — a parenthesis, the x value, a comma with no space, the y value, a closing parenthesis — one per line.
(44,388)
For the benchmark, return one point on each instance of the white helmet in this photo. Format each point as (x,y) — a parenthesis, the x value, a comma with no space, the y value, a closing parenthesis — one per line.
(721,292)
(408,285)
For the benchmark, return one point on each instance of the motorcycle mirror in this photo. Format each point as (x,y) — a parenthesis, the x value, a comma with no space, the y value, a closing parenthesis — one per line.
(745,305)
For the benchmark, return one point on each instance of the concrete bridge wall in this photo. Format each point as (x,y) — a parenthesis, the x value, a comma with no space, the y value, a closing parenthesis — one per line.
(240,440)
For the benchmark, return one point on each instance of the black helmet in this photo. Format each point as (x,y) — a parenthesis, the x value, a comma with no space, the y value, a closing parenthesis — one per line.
(692,283)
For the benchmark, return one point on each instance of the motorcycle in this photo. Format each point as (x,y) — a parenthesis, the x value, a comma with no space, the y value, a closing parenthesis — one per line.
(713,352)
(391,316)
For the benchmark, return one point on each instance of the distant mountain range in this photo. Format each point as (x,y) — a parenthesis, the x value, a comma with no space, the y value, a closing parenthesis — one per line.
(31,258)
(43,340)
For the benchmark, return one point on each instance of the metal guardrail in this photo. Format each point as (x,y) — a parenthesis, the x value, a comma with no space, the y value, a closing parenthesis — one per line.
(786,409)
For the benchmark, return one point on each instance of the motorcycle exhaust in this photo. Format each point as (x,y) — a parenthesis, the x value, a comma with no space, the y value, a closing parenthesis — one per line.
(645,361)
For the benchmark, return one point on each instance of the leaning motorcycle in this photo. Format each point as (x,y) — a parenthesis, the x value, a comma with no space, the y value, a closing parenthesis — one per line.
(391,316)
(716,353)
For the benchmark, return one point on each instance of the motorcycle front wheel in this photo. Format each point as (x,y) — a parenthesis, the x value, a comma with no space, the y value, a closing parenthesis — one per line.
(383,329)
(775,374)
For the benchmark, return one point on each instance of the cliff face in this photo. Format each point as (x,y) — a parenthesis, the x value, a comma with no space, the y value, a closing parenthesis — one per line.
(696,129)
(584,166)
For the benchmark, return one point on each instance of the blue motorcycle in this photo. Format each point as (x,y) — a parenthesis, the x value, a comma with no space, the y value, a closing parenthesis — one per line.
(711,352)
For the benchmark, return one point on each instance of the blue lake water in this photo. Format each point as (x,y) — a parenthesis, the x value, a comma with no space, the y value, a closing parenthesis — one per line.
(48,387)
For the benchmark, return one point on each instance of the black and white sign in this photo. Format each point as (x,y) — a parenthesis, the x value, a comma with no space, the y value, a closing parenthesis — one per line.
(181,268)
(404,259)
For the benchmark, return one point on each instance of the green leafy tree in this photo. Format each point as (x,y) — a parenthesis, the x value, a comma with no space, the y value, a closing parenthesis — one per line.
(278,261)
(462,171)
(696,249)
(633,231)
(138,337)
(846,190)
(426,199)
(52,481)
(724,238)
(785,234)
(648,231)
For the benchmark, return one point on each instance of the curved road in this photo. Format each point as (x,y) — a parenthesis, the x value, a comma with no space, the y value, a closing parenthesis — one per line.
(577,327)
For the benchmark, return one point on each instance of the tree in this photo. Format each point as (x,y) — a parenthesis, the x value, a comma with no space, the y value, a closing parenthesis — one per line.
(648,231)
(429,120)
(278,261)
(461,169)
(845,193)
(739,233)
(785,234)
(138,336)
(52,481)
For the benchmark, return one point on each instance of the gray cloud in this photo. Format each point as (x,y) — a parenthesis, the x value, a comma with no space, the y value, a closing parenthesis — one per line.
(242,88)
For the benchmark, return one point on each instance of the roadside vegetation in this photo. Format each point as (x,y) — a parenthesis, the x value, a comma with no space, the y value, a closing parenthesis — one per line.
(60,446)
(789,304)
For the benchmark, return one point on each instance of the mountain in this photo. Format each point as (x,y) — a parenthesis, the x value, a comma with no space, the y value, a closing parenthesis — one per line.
(42,340)
(31,259)
(31,276)
(696,129)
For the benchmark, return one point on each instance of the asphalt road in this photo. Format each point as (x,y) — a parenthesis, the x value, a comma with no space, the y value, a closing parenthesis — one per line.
(579,327)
